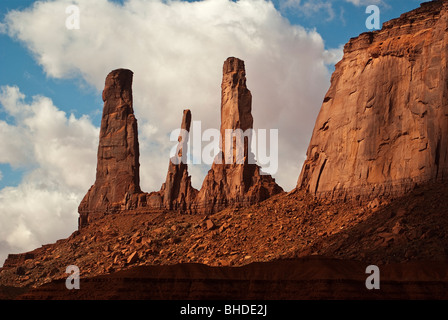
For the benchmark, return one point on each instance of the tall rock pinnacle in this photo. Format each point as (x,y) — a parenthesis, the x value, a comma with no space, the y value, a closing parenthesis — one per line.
(117,173)
(236,105)
(383,125)
(177,192)
(233,181)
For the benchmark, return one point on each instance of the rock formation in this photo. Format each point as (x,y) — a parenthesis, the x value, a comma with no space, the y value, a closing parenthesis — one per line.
(117,172)
(383,125)
(117,184)
(382,128)
(234,178)
(177,193)
(117,189)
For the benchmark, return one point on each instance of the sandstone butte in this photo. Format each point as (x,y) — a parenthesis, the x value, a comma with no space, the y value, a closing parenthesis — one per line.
(117,189)
(383,125)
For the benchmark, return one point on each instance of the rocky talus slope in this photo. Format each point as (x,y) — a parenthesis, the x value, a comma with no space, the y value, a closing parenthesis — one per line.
(292,225)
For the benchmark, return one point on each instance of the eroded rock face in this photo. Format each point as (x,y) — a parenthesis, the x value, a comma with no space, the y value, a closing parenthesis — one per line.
(116,188)
(233,181)
(177,193)
(236,105)
(117,173)
(383,125)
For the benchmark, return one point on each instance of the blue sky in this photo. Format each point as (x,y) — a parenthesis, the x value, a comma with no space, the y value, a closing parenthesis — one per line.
(336,21)
(344,20)
(20,68)
(51,80)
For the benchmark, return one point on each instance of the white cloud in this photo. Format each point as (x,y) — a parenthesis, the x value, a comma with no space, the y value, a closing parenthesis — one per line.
(43,137)
(58,153)
(176,50)
(333,56)
(35,213)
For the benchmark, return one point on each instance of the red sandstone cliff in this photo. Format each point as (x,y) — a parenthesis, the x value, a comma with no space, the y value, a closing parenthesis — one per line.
(383,125)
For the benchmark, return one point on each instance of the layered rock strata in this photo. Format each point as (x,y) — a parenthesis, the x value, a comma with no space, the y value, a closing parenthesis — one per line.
(383,124)
(234,178)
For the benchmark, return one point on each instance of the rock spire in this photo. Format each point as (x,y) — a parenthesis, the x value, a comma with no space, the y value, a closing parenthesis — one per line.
(233,179)
(117,173)
(177,192)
